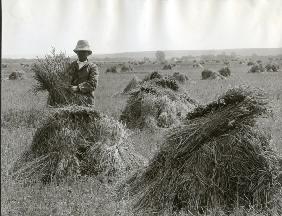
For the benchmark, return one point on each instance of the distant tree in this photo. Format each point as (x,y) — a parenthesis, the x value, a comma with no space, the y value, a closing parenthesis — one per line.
(160,56)
(233,54)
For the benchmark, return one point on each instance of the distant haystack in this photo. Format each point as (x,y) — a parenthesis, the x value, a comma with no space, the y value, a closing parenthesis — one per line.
(218,158)
(182,78)
(131,85)
(153,75)
(157,102)
(256,68)
(77,141)
(225,71)
(211,75)
(112,69)
(126,68)
(168,66)
(250,63)
(272,67)
(195,65)
(119,68)
(227,63)
(259,61)
(17,75)
(99,64)
(4,65)
(24,65)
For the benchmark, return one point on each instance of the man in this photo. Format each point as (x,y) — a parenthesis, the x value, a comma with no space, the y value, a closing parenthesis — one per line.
(84,75)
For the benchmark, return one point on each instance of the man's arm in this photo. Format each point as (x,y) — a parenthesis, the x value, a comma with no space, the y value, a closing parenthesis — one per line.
(71,72)
(71,76)
(92,82)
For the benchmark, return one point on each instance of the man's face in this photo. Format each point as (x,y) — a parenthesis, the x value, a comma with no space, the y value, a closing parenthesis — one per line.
(82,55)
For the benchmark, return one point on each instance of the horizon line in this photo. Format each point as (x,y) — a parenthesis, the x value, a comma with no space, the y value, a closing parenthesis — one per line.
(125,52)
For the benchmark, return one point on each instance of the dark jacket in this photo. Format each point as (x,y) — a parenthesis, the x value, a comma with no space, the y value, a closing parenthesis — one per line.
(86,78)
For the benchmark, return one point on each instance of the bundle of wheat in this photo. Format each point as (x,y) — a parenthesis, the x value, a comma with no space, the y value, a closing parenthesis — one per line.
(51,75)
(153,75)
(219,158)
(157,79)
(77,141)
(4,65)
(182,78)
(126,68)
(227,63)
(256,68)
(272,67)
(17,75)
(168,66)
(157,102)
(112,69)
(225,71)
(210,75)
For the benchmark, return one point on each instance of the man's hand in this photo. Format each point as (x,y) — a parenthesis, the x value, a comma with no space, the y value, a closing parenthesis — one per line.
(81,87)
(74,88)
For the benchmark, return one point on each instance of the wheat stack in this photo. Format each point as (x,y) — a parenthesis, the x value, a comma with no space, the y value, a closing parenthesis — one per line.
(218,158)
(77,141)
(181,78)
(210,75)
(272,67)
(17,75)
(225,71)
(256,68)
(112,69)
(157,102)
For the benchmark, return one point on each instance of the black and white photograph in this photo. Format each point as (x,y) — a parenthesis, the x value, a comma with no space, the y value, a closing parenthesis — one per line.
(141,108)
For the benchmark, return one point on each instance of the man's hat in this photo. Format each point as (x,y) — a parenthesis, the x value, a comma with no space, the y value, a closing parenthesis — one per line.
(82,45)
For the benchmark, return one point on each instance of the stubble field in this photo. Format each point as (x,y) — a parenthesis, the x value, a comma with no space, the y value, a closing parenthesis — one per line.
(22,112)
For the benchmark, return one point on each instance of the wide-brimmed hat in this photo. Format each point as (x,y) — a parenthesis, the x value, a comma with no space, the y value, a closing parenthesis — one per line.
(83,45)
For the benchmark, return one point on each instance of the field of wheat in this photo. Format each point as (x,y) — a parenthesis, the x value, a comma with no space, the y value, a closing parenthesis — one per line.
(22,111)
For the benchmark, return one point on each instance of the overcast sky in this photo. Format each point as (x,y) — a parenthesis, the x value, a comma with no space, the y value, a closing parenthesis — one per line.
(31,27)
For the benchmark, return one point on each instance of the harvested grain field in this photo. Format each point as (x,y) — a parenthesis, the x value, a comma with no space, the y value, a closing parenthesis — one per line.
(23,112)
